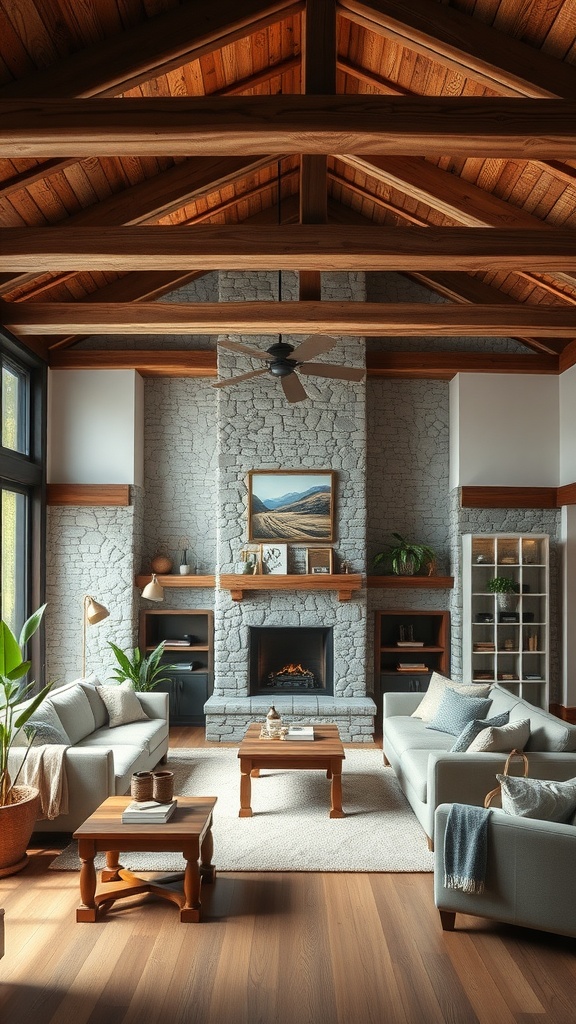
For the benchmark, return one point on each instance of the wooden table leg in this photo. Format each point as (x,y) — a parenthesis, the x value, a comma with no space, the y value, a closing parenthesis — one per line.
(245,788)
(207,869)
(111,872)
(190,911)
(336,790)
(87,910)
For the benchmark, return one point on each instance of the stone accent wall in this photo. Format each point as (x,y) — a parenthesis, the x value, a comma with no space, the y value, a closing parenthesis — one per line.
(259,429)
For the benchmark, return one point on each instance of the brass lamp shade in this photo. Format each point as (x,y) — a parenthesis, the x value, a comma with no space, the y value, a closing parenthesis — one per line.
(153,591)
(93,613)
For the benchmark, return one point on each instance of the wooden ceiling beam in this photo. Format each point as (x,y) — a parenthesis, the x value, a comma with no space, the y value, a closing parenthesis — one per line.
(406,365)
(371,319)
(158,45)
(290,247)
(466,44)
(261,125)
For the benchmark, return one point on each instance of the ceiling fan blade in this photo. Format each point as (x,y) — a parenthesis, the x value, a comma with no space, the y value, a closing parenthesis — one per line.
(237,346)
(331,370)
(241,377)
(293,388)
(315,345)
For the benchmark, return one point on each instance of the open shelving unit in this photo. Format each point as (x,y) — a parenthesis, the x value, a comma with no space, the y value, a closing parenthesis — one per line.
(507,645)
(190,682)
(410,638)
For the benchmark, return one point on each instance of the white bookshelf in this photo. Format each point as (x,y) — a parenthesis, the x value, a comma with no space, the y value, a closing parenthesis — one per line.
(507,646)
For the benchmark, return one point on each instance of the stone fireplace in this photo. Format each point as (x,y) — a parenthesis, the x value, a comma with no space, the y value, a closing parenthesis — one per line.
(290,660)
(258,429)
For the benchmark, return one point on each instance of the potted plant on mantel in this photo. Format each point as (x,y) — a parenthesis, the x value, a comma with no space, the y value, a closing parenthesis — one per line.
(406,558)
(19,805)
(142,672)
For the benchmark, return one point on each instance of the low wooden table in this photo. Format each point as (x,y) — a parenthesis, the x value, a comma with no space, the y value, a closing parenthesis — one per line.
(188,832)
(324,752)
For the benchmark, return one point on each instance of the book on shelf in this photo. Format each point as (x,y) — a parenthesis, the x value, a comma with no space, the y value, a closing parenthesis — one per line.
(409,643)
(177,643)
(419,666)
(148,811)
(300,732)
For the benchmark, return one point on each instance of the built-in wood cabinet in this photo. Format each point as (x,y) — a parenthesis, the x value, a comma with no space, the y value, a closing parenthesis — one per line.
(409,646)
(507,641)
(189,646)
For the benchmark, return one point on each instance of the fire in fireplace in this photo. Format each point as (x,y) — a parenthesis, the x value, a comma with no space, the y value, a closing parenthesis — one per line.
(291,659)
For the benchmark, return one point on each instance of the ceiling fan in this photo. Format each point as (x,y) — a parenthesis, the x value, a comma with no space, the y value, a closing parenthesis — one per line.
(286,362)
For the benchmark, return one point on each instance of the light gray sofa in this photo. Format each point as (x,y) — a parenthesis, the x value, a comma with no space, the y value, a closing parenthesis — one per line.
(529,874)
(100,760)
(430,775)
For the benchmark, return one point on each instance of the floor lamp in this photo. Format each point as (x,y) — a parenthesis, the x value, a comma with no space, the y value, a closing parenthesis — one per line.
(93,613)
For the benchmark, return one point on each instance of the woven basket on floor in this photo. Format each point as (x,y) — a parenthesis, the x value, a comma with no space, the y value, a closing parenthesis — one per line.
(16,826)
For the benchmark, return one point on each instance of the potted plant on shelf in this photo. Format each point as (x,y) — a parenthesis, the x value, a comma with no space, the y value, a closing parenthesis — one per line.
(506,591)
(19,805)
(142,672)
(406,558)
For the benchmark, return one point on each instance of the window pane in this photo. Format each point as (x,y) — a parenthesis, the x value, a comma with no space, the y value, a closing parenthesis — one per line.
(15,388)
(14,568)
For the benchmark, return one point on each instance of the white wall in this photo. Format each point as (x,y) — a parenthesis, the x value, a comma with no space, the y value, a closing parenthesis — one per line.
(95,427)
(568,426)
(505,430)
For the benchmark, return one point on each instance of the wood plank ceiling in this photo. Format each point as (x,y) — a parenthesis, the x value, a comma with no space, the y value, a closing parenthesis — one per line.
(415,136)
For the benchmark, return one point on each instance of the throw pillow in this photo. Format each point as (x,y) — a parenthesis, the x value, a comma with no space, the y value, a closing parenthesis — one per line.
(471,731)
(49,728)
(73,709)
(122,705)
(456,710)
(430,702)
(513,736)
(538,798)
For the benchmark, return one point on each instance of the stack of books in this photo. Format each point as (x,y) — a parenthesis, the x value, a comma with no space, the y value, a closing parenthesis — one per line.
(409,643)
(300,732)
(417,666)
(484,646)
(148,812)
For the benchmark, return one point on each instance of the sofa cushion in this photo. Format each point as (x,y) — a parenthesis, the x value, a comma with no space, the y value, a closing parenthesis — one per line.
(503,739)
(415,772)
(90,687)
(73,709)
(547,733)
(538,798)
(456,710)
(406,733)
(142,735)
(127,760)
(431,700)
(122,705)
(474,728)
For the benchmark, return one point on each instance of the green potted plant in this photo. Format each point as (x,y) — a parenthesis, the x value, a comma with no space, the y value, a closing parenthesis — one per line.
(406,558)
(19,805)
(506,591)
(142,672)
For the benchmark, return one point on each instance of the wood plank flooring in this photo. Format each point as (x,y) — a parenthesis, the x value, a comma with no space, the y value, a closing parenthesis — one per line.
(273,948)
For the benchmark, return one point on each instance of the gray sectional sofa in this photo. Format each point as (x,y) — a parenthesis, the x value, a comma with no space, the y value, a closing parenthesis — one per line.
(99,760)
(430,775)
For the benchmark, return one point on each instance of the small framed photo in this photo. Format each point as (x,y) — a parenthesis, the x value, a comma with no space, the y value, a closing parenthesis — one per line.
(319,560)
(251,559)
(274,559)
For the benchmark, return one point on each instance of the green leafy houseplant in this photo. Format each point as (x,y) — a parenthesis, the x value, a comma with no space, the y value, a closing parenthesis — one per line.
(405,557)
(502,585)
(142,672)
(13,691)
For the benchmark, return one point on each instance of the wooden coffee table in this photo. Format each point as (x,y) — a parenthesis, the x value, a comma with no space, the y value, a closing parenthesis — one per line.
(188,832)
(324,752)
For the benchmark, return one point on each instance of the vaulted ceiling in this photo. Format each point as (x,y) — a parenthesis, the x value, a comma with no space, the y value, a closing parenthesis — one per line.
(435,139)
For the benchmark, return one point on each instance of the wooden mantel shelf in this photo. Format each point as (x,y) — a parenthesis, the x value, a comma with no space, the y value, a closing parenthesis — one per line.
(419,582)
(345,584)
(178,581)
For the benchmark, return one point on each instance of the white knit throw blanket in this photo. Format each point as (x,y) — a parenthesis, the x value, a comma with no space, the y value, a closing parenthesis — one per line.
(44,769)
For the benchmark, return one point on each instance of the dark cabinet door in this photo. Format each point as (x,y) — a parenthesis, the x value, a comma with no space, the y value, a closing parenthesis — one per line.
(190,691)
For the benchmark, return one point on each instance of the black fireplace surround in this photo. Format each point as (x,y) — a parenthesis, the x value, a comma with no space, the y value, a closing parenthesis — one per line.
(291,659)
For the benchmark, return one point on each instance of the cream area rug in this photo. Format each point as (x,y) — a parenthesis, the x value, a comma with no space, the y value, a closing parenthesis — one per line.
(290,829)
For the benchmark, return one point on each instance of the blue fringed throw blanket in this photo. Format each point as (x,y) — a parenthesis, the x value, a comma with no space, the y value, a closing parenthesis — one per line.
(466,847)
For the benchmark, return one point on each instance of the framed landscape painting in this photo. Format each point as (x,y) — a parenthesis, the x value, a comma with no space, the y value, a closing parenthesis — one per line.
(293,506)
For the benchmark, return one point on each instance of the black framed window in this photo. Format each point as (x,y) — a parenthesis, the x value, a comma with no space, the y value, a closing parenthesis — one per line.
(22,481)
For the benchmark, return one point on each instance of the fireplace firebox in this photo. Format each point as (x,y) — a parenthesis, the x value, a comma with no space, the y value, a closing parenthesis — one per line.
(291,659)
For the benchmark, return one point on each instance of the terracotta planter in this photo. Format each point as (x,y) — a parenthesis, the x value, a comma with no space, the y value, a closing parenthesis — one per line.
(16,826)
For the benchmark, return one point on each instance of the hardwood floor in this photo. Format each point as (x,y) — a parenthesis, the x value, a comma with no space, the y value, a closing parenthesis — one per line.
(276,948)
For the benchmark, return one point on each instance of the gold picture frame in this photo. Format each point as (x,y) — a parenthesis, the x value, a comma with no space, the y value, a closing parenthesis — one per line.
(291,506)
(319,560)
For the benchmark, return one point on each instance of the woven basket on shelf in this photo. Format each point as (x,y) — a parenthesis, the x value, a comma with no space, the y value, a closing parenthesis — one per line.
(16,826)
